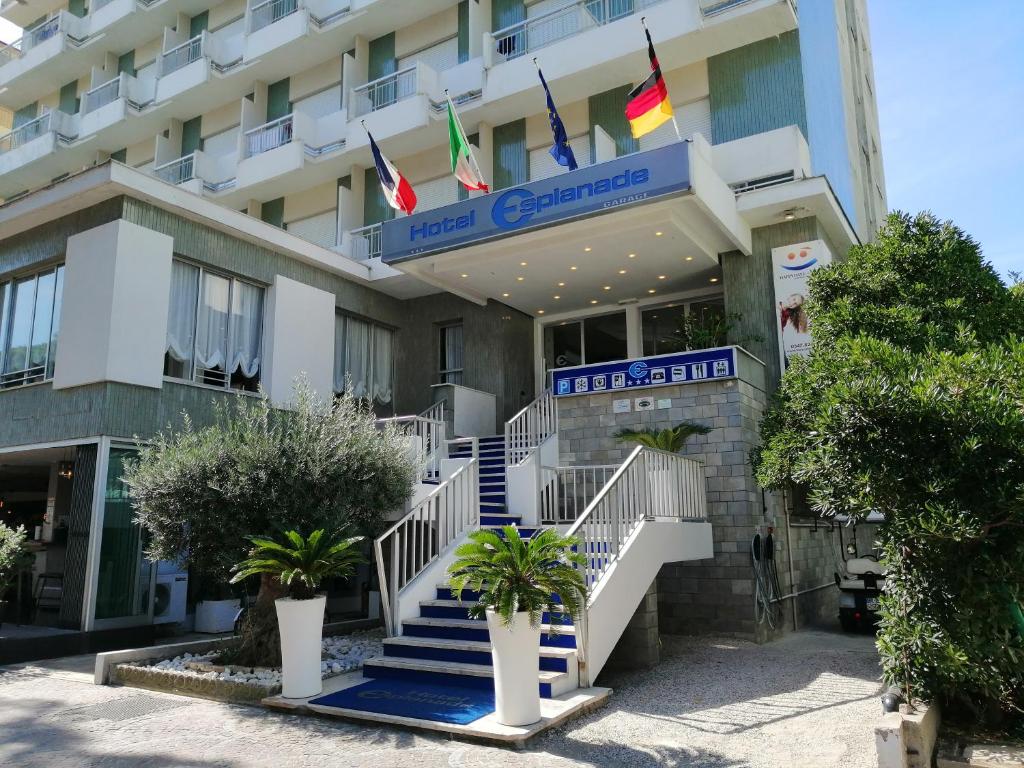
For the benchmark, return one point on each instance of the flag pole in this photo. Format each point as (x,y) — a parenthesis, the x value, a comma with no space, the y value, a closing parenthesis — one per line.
(679,136)
(462,128)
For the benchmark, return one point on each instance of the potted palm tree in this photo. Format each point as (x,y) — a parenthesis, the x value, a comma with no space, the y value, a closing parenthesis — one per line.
(518,581)
(670,440)
(301,565)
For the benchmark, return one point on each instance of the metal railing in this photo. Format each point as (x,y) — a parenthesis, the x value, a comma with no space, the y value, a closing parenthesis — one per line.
(101,95)
(712,7)
(366,242)
(268,136)
(24,133)
(382,92)
(266,13)
(567,491)
(429,435)
(406,549)
(30,38)
(181,55)
(559,23)
(649,484)
(177,171)
(525,431)
(434,412)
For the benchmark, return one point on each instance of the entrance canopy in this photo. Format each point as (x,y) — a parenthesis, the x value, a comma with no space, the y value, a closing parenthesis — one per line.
(647,224)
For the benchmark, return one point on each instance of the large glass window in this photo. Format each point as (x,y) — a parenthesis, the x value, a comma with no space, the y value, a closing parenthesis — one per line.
(214,329)
(29,320)
(364,353)
(680,326)
(450,365)
(596,339)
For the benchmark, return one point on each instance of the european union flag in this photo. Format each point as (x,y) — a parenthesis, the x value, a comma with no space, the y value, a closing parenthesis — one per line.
(560,150)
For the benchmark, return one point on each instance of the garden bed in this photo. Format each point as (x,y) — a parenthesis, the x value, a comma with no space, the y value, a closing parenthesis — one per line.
(198,674)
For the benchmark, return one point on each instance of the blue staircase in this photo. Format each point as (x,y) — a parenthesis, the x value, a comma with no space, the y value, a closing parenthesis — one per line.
(443,645)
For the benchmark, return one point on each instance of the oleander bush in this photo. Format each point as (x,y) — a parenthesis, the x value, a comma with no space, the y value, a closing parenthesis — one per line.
(911,403)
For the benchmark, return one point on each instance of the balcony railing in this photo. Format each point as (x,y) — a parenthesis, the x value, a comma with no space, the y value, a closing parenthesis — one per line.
(712,7)
(558,24)
(101,95)
(177,171)
(366,242)
(266,13)
(181,55)
(268,136)
(30,38)
(382,92)
(24,133)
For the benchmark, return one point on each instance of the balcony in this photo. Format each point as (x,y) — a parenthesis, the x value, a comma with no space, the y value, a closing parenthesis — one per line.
(177,171)
(548,28)
(183,67)
(23,13)
(269,136)
(107,105)
(272,150)
(270,11)
(365,242)
(31,149)
(382,92)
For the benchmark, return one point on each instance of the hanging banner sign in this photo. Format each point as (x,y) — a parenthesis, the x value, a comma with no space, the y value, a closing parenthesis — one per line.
(656,371)
(791,266)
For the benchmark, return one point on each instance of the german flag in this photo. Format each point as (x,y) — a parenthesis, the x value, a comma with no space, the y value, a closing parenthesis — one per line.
(649,105)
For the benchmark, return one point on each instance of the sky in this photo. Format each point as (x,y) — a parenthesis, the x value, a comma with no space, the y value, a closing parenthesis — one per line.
(949,79)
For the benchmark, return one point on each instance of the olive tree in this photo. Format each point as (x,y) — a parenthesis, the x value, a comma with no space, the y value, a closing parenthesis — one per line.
(911,403)
(255,471)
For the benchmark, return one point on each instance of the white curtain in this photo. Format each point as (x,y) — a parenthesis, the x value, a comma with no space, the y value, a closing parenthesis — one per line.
(357,355)
(452,350)
(181,320)
(339,353)
(246,325)
(382,365)
(212,332)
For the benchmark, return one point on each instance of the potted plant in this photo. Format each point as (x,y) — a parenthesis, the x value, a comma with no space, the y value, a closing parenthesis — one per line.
(301,565)
(518,581)
(671,440)
(13,558)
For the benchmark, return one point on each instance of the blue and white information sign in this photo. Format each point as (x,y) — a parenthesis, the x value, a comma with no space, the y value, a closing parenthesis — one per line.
(657,371)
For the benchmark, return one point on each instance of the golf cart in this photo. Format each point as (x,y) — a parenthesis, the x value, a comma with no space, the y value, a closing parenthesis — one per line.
(859,589)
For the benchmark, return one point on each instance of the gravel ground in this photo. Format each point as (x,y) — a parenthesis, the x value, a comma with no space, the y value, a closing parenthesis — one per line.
(808,701)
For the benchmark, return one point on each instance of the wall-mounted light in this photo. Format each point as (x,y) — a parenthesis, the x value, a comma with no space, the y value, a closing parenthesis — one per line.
(65,470)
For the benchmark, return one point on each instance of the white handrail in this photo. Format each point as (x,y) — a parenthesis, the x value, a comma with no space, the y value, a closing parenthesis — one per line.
(177,171)
(434,412)
(525,431)
(649,484)
(182,55)
(430,434)
(423,535)
(383,92)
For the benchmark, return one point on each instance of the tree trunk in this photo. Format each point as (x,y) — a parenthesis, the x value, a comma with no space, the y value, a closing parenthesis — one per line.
(261,639)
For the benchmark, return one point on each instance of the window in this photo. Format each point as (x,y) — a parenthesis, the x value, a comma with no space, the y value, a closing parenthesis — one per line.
(597,339)
(29,319)
(675,327)
(364,353)
(214,329)
(450,359)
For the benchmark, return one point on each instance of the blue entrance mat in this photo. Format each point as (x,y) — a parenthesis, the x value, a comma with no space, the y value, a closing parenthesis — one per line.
(444,704)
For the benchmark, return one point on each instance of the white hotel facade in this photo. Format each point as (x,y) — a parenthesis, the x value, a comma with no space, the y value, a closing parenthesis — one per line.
(192,209)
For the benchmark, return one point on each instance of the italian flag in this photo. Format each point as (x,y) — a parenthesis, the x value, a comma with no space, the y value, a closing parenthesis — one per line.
(463,163)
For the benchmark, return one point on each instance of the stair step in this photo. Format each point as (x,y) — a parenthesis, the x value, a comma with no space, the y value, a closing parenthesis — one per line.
(467,651)
(444,592)
(454,609)
(492,439)
(476,629)
(524,533)
(447,672)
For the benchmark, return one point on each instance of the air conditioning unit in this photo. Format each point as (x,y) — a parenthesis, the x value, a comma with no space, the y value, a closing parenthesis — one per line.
(170,599)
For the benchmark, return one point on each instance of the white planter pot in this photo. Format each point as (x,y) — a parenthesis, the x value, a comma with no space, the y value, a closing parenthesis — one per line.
(215,616)
(301,623)
(515,655)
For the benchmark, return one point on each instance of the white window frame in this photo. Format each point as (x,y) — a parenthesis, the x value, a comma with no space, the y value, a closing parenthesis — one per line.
(195,372)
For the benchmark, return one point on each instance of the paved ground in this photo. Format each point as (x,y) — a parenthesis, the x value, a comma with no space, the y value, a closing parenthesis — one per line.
(807,701)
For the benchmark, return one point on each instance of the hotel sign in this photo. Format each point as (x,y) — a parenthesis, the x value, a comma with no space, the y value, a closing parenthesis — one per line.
(625,181)
(657,371)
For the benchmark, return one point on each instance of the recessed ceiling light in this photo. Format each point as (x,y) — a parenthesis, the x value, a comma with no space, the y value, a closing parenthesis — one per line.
(464,274)
(573,268)
(505,295)
(593,301)
(632,255)
(657,234)
(557,297)
(607,287)
(622,271)
(587,249)
(651,290)
(714,279)
(561,285)
(520,278)
(689,258)
(662,277)
(522,263)
(540,311)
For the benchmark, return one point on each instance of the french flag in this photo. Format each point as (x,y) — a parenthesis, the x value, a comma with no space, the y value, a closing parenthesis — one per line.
(396,189)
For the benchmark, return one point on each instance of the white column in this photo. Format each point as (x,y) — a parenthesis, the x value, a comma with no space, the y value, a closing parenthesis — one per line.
(298,339)
(634,334)
(113,324)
